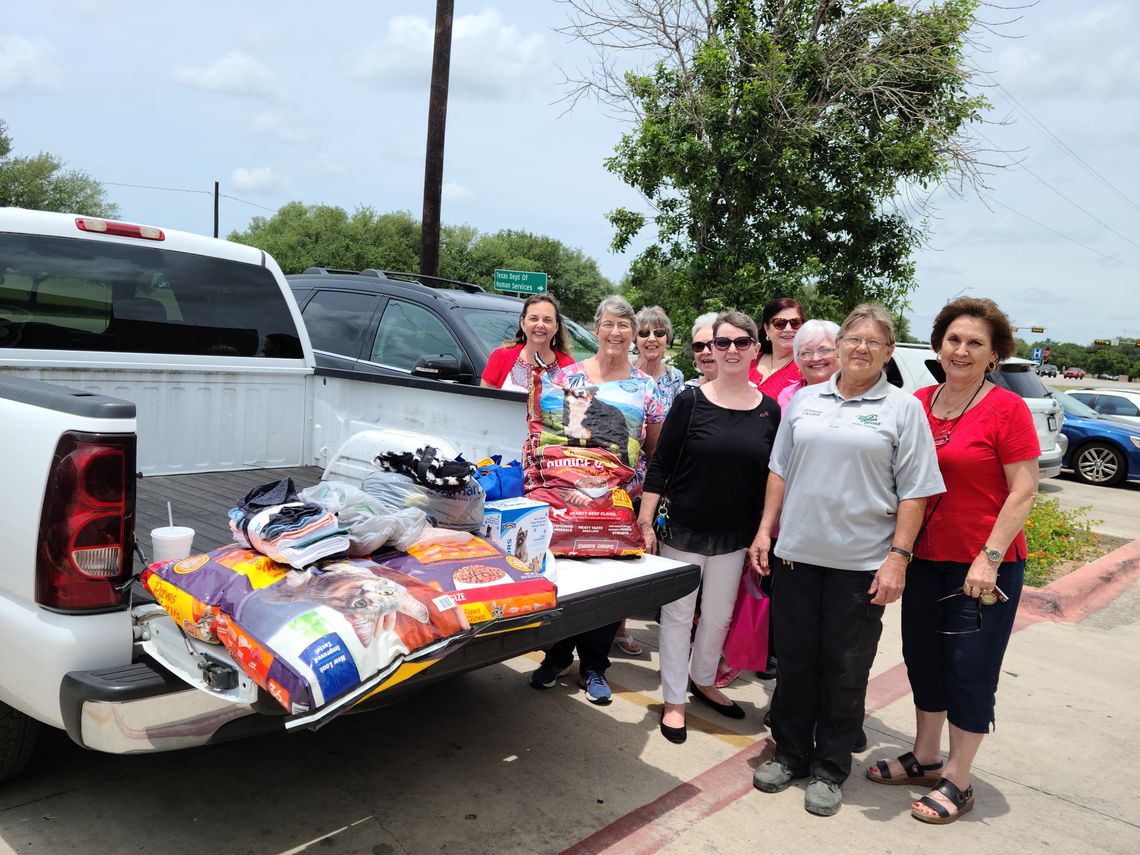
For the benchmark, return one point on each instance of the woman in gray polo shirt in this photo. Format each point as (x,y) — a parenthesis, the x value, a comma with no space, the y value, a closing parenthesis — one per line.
(851,469)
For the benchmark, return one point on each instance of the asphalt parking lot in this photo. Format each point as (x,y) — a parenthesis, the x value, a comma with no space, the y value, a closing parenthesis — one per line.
(1116,509)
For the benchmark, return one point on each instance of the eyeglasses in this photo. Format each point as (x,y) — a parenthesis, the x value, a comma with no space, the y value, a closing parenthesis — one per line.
(940,439)
(782,323)
(624,326)
(743,343)
(821,352)
(699,346)
(654,333)
(872,344)
(985,598)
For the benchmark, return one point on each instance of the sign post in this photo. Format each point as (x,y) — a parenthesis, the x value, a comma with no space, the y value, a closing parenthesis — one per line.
(520,281)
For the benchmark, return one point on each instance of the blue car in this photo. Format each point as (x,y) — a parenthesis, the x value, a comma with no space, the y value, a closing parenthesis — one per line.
(1101,451)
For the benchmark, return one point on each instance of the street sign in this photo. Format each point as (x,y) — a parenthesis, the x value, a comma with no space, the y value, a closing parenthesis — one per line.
(1037,329)
(520,281)
(1037,354)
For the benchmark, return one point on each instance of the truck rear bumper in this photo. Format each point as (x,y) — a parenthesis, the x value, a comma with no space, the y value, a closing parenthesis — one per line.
(142,707)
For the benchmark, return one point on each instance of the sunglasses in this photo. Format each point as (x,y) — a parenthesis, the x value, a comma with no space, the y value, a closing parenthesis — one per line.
(783,323)
(655,333)
(699,346)
(985,598)
(742,343)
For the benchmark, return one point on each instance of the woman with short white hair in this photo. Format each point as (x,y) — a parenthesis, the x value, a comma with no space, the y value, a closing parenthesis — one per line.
(702,347)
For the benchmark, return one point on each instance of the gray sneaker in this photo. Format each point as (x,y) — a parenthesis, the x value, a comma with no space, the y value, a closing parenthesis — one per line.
(823,798)
(773,777)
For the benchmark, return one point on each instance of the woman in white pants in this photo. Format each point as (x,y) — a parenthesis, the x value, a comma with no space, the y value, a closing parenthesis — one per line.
(712,464)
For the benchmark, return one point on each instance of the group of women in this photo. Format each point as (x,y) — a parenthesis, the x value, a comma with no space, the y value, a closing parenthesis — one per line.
(801,461)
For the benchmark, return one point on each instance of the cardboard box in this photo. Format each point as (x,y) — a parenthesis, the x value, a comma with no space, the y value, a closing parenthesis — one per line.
(520,527)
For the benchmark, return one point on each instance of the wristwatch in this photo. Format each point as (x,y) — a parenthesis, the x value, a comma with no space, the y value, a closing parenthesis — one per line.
(902,552)
(991,554)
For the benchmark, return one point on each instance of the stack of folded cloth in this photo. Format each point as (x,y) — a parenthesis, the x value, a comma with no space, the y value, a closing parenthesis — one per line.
(271,520)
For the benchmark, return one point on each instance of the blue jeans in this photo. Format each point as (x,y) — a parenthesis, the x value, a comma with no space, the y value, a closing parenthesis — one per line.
(957,674)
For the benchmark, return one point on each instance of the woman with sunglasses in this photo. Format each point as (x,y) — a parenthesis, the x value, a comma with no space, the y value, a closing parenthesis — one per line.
(541,343)
(851,470)
(965,581)
(712,463)
(654,335)
(702,347)
(775,368)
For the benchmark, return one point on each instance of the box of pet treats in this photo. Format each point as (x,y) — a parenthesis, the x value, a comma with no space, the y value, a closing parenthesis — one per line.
(521,527)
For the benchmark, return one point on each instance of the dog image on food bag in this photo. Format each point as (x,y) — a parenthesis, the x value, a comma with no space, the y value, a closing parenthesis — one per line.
(588,418)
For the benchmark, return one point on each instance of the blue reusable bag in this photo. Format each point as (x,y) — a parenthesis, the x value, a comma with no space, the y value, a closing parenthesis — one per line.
(499,481)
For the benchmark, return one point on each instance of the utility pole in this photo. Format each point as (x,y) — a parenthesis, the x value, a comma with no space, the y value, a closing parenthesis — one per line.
(215,209)
(437,123)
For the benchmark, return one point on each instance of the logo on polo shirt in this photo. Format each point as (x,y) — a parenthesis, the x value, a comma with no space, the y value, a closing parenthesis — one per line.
(871,421)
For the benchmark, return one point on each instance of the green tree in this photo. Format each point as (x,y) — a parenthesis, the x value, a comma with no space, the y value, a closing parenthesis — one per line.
(41,183)
(773,140)
(301,236)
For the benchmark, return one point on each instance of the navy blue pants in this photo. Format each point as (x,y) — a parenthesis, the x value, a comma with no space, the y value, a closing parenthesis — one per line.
(827,632)
(956,674)
(593,650)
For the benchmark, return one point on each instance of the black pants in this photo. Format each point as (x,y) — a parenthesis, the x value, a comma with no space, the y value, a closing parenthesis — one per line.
(593,650)
(827,632)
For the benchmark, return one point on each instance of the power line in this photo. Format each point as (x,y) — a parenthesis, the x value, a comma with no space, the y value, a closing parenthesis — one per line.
(1065,236)
(149,187)
(244,202)
(1059,142)
(1087,213)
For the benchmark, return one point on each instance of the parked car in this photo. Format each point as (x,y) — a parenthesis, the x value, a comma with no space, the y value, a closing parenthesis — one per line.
(1106,375)
(1047,370)
(393,324)
(1075,373)
(915,366)
(1101,451)
(1119,404)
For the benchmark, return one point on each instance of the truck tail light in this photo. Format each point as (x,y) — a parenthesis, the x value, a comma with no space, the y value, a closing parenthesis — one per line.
(87,524)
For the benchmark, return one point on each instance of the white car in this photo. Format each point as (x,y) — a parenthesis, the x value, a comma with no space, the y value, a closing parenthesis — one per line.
(915,366)
(1121,404)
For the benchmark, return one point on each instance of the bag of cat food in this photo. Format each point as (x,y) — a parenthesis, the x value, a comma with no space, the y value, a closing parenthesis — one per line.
(476,575)
(583,458)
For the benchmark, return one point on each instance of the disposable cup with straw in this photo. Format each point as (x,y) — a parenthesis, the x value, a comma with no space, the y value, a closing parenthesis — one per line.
(171,542)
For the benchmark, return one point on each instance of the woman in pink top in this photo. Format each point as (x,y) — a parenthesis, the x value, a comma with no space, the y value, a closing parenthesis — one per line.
(815,352)
(775,368)
(541,343)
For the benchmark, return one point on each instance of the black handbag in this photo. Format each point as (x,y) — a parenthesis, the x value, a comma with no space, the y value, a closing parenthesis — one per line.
(661,520)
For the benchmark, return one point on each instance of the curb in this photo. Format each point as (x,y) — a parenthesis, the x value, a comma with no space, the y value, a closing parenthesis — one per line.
(1082,592)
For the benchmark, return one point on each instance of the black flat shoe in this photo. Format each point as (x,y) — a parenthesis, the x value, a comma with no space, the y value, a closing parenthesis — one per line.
(769,673)
(860,742)
(730,710)
(676,735)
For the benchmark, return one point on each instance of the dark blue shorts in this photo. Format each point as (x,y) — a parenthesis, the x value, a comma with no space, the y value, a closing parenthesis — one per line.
(957,674)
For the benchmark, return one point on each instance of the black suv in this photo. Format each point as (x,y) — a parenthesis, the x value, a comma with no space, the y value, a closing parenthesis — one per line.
(384,322)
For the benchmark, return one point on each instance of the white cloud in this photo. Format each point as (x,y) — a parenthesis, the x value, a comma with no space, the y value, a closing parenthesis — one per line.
(28,64)
(273,123)
(490,58)
(453,192)
(236,73)
(259,179)
(329,165)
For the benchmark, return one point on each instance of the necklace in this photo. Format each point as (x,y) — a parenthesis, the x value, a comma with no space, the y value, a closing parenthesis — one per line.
(943,437)
(950,409)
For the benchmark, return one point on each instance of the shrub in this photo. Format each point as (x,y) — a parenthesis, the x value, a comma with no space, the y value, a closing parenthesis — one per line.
(1056,536)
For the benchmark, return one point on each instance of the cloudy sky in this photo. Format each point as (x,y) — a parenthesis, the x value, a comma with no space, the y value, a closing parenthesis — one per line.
(279,103)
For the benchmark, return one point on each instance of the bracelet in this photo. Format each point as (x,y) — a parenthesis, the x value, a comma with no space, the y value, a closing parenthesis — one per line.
(898,550)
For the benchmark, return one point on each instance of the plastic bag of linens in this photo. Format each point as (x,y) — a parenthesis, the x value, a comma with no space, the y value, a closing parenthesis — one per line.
(581,457)
(305,636)
(444,489)
(369,523)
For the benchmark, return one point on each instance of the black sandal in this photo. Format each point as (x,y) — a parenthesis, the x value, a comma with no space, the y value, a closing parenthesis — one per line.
(917,775)
(963,801)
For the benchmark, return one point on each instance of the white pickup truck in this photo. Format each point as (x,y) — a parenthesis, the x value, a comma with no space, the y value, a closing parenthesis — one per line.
(141,366)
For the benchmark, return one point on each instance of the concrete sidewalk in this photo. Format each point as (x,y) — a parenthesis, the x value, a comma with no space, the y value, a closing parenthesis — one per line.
(1056,775)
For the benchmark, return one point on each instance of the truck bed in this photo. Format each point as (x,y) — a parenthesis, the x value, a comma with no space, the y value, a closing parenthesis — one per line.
(201,501)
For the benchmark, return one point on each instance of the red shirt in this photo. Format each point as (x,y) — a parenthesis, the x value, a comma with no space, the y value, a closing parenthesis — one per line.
(777,381)
(997,431)
(503,359)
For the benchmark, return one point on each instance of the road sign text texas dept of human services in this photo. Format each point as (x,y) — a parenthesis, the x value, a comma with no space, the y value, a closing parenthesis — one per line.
(520,281)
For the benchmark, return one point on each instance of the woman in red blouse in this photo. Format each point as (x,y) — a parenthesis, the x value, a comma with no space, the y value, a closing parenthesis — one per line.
(964,583)
(775,369)
(541,343)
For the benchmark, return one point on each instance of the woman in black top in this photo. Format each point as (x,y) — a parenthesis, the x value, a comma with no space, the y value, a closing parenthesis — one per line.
(712,462)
